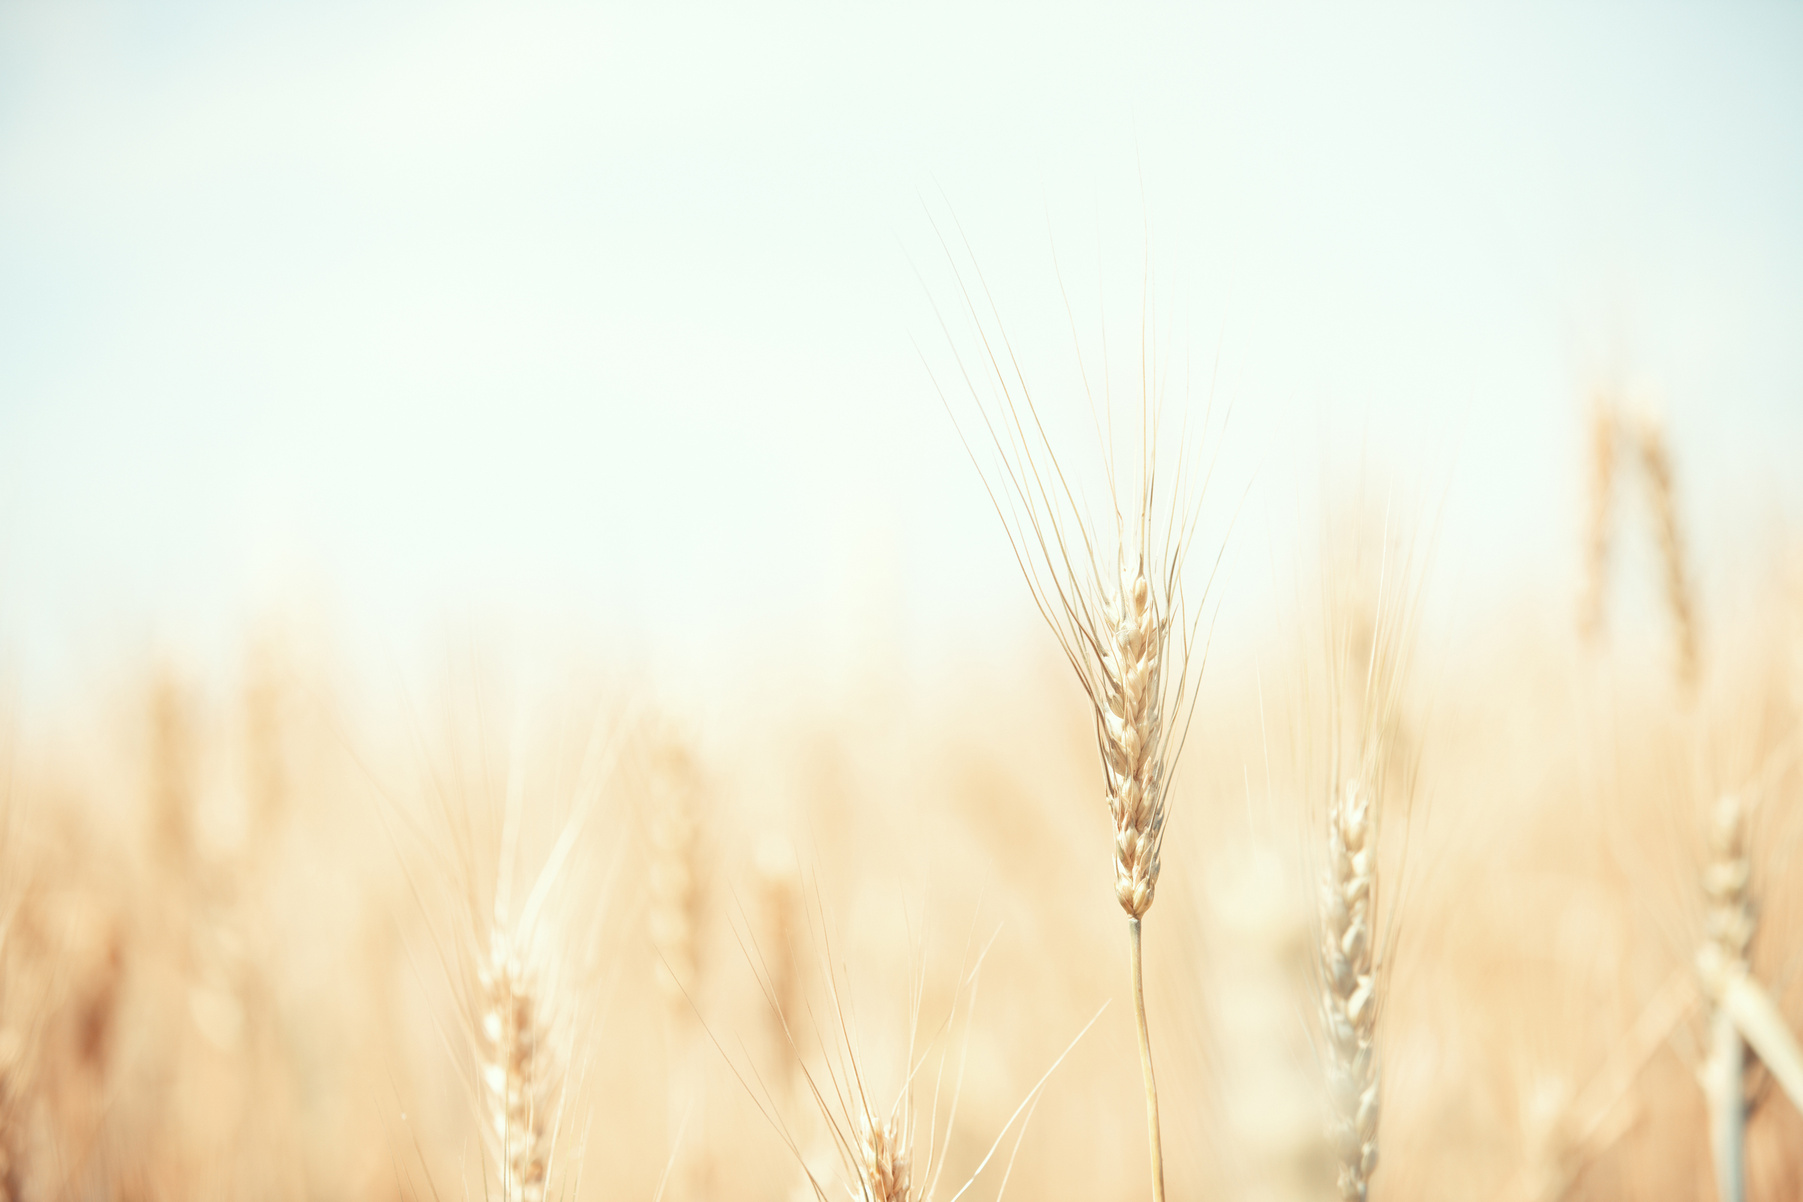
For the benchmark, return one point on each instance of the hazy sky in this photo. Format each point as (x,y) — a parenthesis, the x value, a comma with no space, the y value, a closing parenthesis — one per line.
(606,317)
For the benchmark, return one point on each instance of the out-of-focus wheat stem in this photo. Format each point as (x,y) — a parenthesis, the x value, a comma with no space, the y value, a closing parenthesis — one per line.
(1726,881)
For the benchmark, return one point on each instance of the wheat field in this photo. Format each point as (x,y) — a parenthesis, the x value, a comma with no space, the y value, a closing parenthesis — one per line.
(262,941)
(915,603)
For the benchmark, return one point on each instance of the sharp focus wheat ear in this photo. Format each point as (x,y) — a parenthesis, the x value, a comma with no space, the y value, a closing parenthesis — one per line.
(1132,730)
(1348,969)
(1112,592)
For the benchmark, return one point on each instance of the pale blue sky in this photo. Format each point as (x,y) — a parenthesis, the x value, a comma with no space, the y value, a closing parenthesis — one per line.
(576,315)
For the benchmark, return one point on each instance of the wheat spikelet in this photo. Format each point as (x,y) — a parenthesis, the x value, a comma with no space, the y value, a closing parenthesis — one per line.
(1680,600)
(1132,738)
(883,1156)
(1348,968)
(519,1068)
(1599,527)
(520,1017)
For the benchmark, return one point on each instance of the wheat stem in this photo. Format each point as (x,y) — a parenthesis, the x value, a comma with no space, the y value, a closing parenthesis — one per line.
(1145,1063)
(1722,1075)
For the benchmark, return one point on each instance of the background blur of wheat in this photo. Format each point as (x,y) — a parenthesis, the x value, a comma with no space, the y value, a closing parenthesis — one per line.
(225,960)
(511,687)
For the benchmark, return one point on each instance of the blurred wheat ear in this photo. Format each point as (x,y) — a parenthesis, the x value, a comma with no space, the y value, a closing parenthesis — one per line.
(1348,969)
(1680,592)
(1372,621)
(1599,531)
(523,1017)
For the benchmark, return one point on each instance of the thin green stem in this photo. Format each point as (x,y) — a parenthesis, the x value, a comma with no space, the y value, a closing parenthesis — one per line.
(1145,1064)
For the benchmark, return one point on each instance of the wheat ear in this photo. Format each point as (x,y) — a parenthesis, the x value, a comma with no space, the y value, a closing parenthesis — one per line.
(883,1159)
(1599,530)
(1680,599)
(1131,723)
(1348,966)
(675,879)
(522,1016)
(1119,629)
(520,1070)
